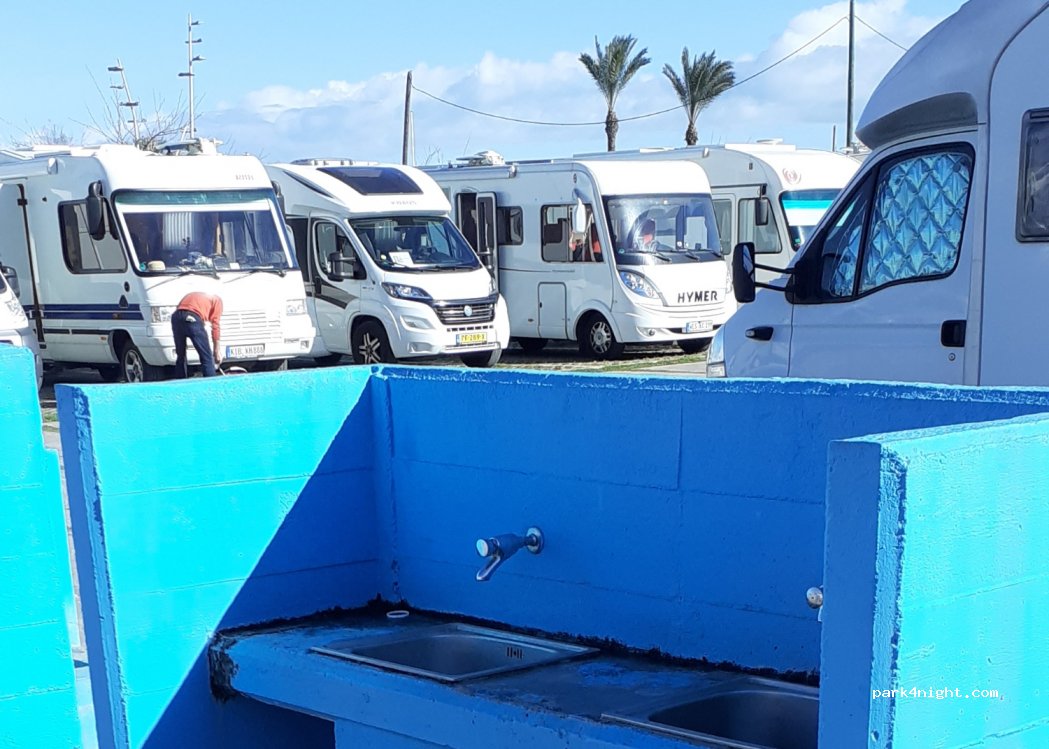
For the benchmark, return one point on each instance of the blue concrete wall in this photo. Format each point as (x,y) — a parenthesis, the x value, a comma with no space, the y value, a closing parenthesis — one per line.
(204,505)
(951,560)
(37,699)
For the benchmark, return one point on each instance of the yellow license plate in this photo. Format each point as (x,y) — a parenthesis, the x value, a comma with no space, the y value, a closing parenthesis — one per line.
(465,339)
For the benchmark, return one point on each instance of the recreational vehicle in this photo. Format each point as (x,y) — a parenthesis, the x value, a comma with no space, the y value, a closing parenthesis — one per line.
(933,262)
(107,240)
(388,275)
(14,325)
(605,253)
(769,193)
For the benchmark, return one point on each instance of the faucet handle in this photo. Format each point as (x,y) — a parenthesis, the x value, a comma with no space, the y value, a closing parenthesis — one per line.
(486,547)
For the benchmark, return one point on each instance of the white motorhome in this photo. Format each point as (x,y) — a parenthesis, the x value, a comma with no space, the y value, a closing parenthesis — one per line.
(14,325)
(565,240)
(107,240)
(388,275)
(769,193)
(932,264)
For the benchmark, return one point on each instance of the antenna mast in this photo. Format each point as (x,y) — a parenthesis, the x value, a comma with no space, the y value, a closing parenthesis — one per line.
(190,41)
(130,104)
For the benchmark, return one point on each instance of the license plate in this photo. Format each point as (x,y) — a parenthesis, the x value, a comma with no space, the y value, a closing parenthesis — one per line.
(245,352)
(466,339)
(699,326)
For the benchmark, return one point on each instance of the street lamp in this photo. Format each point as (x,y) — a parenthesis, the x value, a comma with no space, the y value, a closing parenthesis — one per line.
(190,23)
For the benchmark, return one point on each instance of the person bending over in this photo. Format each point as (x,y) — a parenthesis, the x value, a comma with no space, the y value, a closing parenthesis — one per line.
(187,322)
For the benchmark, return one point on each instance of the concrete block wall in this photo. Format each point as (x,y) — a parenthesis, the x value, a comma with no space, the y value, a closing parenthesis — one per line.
(38,705)
(951,561)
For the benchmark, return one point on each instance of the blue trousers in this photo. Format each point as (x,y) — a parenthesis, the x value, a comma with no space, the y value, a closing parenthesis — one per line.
(185,325)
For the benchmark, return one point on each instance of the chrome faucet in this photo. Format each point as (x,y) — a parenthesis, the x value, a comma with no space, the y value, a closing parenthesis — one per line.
(500,548)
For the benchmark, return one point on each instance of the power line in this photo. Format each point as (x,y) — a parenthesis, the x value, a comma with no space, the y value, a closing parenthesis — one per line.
(890,41)
(764,70)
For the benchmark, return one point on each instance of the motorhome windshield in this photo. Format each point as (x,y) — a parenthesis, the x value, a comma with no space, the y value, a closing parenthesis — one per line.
(650,229)
(803,210)
(208,231)
(415,243)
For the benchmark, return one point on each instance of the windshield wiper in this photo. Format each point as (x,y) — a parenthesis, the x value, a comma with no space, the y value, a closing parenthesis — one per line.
(203,271)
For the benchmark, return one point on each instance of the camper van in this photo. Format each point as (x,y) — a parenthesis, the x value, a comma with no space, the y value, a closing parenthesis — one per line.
(769,193)
(605,253)
(107,240)
(388,275)
(14,325)
(932,264)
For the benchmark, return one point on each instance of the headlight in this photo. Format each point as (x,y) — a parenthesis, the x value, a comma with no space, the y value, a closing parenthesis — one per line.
(716,355)
(638,284)
(295,307)
(16,310)
(162,314)
(402,291)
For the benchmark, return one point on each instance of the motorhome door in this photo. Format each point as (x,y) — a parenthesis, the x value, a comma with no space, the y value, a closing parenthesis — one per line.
(335,301)
(14,250)
(477,216)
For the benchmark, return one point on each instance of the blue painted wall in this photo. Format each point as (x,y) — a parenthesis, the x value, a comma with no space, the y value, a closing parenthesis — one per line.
(37,699)
(951,560)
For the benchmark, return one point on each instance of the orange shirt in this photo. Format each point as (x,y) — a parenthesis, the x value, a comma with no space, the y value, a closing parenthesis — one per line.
(206,306)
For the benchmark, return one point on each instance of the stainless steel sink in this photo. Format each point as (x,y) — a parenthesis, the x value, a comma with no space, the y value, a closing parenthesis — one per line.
(745,713)
(452,652)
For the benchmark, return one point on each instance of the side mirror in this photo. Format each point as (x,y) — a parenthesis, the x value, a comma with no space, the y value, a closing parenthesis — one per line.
(12,278)
(743,272)
(338,267)
(96,214)
(579,222)
(280,198)
(761,212)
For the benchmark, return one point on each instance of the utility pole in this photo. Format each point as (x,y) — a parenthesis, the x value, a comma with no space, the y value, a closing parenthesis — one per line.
(190,23)
(407,118)
(130,104)
(852,67)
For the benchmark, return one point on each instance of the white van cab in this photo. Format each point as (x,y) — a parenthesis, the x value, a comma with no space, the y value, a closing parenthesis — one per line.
(14,325)
(932,264)
(388,275)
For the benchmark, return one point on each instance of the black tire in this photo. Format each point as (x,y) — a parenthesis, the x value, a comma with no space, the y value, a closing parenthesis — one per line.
(330,360)
(482,359)
(110,372)
(371,344)
(135,368)
(695,345)
(272,365)
(596,339)
(531,345)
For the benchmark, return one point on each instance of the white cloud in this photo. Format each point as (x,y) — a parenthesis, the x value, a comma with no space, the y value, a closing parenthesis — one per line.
(800,99)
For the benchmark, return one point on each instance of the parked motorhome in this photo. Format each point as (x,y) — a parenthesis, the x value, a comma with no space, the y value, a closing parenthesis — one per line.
(932,264)
(567,242)
(769,193)
(388,275)
(14,325)
(106,240)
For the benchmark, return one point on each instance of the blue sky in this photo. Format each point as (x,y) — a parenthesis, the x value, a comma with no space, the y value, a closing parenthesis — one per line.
(326,79)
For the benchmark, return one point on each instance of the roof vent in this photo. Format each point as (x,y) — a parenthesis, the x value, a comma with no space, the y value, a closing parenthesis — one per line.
(323,162)
(770,141)
(191,147)
(483,158)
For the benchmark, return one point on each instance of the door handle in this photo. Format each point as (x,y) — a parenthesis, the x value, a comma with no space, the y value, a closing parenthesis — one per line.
(952,334)
(760,333)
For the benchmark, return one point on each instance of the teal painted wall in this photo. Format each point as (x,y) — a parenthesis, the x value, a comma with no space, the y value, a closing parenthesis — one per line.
(37,699)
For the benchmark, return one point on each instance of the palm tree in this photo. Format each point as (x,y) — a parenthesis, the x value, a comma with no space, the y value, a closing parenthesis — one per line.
(611,70)
(705,78)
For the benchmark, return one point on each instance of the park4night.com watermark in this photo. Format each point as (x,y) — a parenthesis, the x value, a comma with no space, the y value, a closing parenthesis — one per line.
(936,694)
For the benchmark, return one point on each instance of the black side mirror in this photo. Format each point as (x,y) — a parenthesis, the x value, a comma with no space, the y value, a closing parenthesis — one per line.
(96,214)
(743,272)
(280,198)
(338,269)
(12,278)
(761,212)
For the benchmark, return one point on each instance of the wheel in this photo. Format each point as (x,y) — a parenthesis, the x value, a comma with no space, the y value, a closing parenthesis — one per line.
(531,345)
(134,367)
(597,340)
(329,360)
(482,359)
(272,365)
(371,345)
(110,372)
(695,345)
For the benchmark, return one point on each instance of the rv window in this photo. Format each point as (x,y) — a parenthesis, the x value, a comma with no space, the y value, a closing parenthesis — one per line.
(556,233)
(723,217)
(299,231)
(1033,218)
(83,254)
(765,237)
(509,225)
(328,238)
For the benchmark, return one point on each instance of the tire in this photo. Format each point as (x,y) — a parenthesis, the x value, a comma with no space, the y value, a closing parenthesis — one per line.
(695,345)
(531,345)
(110,372)
(597,340)
(371,344)
(134,367)
(482,359)
(272,365)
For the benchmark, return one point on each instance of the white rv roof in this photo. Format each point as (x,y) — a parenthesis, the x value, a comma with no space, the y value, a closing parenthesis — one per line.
(366,188)
(944,80)
(647,177)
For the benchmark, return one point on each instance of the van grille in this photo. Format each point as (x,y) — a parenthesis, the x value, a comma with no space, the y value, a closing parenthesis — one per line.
(455,313)
(250,326)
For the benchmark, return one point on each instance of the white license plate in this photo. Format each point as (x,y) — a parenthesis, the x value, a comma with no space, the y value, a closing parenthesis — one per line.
(245,352)
(470,339)
(699,326)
